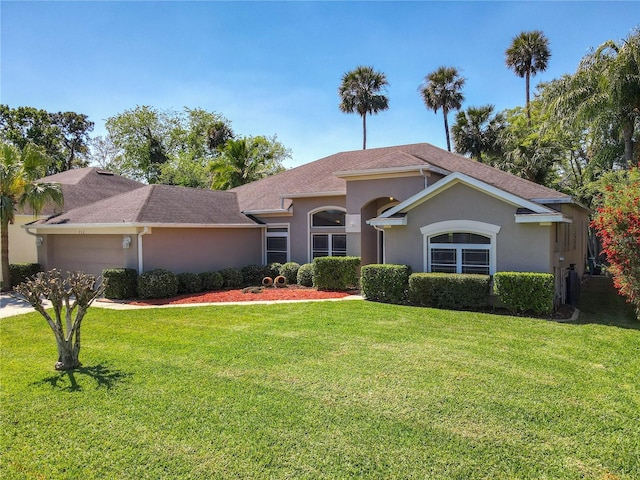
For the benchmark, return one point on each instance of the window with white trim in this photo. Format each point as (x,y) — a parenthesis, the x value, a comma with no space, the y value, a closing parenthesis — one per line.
(277,244)
(460,252)
(328,245)
(328,218)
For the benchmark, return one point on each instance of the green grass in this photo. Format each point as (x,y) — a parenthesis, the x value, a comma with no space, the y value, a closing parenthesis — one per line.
(323,390)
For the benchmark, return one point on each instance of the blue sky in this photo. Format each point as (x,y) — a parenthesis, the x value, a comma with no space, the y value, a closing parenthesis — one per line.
(274,67)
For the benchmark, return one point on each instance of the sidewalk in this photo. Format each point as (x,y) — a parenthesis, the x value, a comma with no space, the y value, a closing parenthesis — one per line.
(10,305)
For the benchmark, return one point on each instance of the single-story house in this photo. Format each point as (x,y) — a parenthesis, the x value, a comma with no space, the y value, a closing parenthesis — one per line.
(417,205)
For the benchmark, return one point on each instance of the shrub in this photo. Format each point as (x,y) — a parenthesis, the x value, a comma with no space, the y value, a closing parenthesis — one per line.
(189,283)
(273,270)
(232,278)
(280,281)
(305,275)
(21,272)
(449,291)
(121,283)
(336,273)
(525,291)
(211,280)
(252,275)
(385,283)
(158,283)
(290,271)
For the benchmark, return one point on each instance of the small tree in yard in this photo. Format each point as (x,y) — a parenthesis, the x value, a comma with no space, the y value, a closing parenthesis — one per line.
(618,225)
(75,293)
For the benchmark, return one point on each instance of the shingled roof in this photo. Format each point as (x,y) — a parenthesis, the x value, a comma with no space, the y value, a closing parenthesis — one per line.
(159,205)
(83,186)
(319,177)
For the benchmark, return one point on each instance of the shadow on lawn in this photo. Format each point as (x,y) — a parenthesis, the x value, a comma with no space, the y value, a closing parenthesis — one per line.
(70,380)
(601,304)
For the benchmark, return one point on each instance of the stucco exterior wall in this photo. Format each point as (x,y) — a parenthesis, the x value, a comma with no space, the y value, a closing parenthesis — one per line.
(519,247)
(22,246)
(201,250)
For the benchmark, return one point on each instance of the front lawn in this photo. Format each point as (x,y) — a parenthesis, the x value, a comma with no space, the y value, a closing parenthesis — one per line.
(321,390)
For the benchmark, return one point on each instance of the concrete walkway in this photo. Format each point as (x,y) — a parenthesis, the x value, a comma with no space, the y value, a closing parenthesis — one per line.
(10,305)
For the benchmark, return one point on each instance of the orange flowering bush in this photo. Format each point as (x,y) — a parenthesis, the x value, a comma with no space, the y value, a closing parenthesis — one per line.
(617,223)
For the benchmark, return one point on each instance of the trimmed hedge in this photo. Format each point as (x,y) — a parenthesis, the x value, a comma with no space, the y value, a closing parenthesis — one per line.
(305,275)
(21,272)
(189,282)
(335,273)
(211,281)
(122,283)
(449,291)
(273,270)
(232,278)
(159,283)
(252,275)
(290,271)
(520,292)
(385,283)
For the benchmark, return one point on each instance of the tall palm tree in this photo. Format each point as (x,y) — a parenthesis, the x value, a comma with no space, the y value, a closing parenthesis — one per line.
(360,91)
(476,132)
(19,171)
(442,90)
(527,55)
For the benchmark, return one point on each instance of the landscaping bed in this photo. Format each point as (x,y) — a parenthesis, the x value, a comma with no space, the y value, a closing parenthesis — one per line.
(291,292)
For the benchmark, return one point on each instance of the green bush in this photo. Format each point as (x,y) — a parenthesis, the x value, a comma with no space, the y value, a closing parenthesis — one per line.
(252,275)
(121,283)
(159,283)
(232,278)
(385,283)
(336,273)
(520,292)
(273,270)
(290,271)
(211,281)
(189,283)
(449,291)
(305,275)
(20,272)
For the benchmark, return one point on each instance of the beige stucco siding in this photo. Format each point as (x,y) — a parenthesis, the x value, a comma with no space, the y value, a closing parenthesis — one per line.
(200,250)
(522,247)
(22,246)
(361,192)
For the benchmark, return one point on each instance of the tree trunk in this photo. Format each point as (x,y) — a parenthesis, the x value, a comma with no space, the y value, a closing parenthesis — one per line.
(446,128)
(627,134)
(364,131)
(4,240)
(68,353)
(526,81)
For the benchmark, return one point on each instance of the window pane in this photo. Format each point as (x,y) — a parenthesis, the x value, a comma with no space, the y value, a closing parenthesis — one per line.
(444,238)
(328,218)
(279,257)
(443,268)
(443,256)
(338,243)
(478,239)
(476,270)
(475,257)
(277,229)
(277,243)
(461,237)
(321,242)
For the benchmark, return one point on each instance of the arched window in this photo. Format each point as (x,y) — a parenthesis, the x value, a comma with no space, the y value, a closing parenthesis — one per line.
(462,246)
(328,237)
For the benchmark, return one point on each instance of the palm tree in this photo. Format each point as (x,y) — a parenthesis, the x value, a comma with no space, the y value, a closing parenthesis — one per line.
(442,90)
(476,132)
(19,171)
(360,92)
(527,55)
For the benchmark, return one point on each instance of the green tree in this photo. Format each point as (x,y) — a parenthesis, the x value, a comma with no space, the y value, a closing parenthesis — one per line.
(476,132)
(19,172)
(527,55)
(247,159)
(64,136)
(361,91)
(528,149)
(442,89)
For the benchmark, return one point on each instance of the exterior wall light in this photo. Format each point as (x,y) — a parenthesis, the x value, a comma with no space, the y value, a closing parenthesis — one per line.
(126,241)
(39,241)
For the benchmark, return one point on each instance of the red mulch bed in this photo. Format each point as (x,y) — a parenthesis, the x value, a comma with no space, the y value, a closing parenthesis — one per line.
(292,292)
